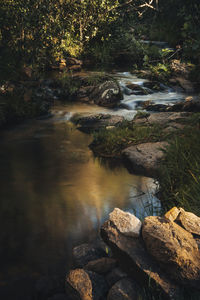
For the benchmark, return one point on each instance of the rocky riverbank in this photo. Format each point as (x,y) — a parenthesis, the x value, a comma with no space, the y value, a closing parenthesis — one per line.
(158,257)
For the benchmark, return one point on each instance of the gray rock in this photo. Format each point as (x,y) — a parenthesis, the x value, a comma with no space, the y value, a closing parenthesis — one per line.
(125,289)
(162,118)
(138,89)
(85,253)
(144,158)
(174,248)
(134,259)
(125,222)
(97,122)
(107,94)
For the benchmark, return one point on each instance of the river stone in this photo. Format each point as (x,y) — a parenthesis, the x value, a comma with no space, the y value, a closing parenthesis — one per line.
(125,289)
(172,214)
(136,262)
(85,253)
(97,122)
(102,265)
(115,275)
(85,285)
(144,158)
(137,89)
(125,222)
(107,94)
(174,248)
(189,221)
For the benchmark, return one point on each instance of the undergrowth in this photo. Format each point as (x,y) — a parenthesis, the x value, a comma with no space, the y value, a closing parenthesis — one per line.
(179,175)
(112,142)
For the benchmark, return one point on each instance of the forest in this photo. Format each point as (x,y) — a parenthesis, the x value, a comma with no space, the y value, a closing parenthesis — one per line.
(39,33)
(99,120)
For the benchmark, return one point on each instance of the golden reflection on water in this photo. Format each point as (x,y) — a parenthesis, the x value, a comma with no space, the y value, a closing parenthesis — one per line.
(55,195)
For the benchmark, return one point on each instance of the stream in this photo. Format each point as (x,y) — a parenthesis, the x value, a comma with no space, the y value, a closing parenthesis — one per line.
(55,194)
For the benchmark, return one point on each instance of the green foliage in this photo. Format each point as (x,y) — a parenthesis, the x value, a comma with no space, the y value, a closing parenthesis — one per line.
(179,175)
(160,72)
(14,109)
(70,84)
(111,142)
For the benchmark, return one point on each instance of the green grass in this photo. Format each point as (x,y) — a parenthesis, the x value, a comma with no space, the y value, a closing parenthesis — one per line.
(110,143)
(179,175)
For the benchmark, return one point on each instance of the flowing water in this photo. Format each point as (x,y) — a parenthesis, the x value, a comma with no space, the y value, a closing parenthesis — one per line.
(54,194)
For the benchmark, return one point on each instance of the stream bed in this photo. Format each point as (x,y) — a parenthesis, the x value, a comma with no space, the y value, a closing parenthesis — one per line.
(55,195)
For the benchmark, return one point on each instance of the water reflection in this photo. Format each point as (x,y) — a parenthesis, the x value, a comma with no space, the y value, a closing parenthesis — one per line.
(55,195)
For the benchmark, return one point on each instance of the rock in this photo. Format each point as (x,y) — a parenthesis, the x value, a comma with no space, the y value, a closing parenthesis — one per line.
(189,221)
(115,275)
(126,222)
(125,289)
(174,248)
(144,158)
(162,118)
(97,122)
(84,92)
(76,68)
(135,261)
(70,61)
(157,107)
(138,89)
(85,253)
(107,94)
(166,117)
(85,285)
(173,127)
(179,67)
(187,106)
(172,214)
(102,265)
(154,85)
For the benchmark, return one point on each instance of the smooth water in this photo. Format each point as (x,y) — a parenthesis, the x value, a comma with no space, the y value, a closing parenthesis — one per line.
(54,194)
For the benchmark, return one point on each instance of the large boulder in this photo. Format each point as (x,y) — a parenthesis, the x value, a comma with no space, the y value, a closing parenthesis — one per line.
(144,158)
(85,285)
(161,118)
(107,94)
(174,248)
(134,259)
(96,122)
(125,289)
